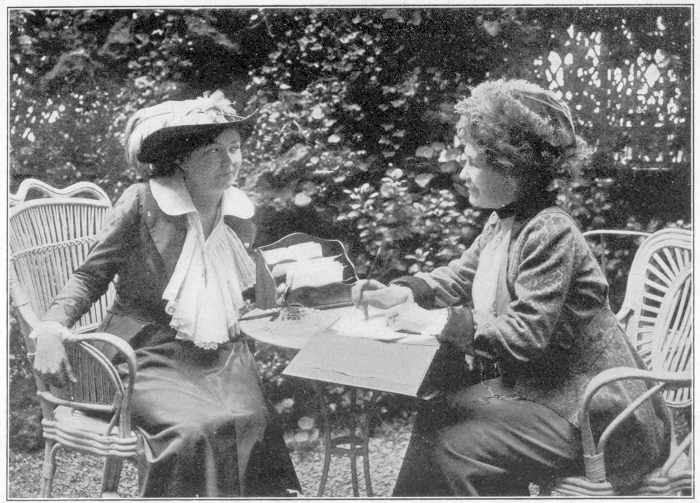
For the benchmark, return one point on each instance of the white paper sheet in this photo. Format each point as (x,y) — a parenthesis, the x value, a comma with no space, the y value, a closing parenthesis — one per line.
(313,273)
(301,251)
(353,324)
(365,363)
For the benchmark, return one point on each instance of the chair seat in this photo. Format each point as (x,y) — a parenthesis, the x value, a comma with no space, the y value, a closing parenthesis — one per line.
(678,478)
(72,428)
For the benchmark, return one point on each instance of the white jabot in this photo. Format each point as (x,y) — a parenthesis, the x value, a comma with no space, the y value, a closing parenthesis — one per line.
(489,288)
(204,294)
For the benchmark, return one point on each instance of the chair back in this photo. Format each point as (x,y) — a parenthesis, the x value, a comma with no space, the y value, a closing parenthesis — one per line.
(672,349)
(657,310)
(50,234)
(654,300)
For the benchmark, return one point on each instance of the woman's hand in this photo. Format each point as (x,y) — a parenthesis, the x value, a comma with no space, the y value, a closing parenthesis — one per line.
(376,294)
(410,317)
(50,360)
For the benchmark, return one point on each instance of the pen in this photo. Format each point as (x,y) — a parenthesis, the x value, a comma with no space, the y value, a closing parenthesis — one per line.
(367,278)
(364,306)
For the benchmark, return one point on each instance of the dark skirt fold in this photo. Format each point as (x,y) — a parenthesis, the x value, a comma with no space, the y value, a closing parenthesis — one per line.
(208,430)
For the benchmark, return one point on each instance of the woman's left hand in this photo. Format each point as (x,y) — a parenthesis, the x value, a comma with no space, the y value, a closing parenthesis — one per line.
(410,317)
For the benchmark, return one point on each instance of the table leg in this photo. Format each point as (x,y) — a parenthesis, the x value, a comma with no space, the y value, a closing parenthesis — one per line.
(357,442)
(365,430)
(352,444)
(327,447)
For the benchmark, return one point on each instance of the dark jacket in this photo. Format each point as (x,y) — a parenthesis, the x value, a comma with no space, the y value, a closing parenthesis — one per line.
(557,333)
(140,245)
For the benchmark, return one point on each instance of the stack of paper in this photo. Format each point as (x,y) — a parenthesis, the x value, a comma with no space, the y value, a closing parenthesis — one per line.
(312,272)
(301,251)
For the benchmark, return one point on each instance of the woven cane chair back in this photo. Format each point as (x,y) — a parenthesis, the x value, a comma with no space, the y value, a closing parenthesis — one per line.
(673,348)
(50,236)
(657,309)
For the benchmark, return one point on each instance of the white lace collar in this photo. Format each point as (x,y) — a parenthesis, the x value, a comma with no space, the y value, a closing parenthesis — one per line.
(172,197)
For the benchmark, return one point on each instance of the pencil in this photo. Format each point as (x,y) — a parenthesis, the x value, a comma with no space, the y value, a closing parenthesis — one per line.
(365,308)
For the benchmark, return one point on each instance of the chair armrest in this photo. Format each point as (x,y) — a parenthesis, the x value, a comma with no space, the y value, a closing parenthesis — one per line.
(117,343)
(81,394)
(592,453)
(623,316)
(127,352)
(615,232)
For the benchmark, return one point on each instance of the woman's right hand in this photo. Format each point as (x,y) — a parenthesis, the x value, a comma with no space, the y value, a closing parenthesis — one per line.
(376,294)
(50,360)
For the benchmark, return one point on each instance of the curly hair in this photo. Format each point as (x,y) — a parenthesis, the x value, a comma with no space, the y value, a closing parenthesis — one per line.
(523,131)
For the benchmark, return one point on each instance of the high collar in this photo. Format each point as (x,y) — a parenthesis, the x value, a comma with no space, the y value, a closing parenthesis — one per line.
(173,198)
(526,206)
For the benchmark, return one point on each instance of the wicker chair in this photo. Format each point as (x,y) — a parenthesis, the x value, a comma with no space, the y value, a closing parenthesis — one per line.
(657,314)
(49,236)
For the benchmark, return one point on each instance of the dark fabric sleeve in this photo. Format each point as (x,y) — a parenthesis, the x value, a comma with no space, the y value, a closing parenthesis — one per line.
(87,283)
(423,295)
(452,284)
(459,329)
(245,229)
(545,268)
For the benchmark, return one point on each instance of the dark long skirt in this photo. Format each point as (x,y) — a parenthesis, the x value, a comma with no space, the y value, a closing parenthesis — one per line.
(482,440)
(486,446)
(208,430)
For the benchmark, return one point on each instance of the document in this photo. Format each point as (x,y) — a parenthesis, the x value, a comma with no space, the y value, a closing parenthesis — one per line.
(353,324)
(294,253)
(310,273)
(303,265)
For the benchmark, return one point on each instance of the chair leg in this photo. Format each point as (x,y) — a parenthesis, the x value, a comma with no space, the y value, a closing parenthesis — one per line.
(141,461)
(49,468)
(110,478)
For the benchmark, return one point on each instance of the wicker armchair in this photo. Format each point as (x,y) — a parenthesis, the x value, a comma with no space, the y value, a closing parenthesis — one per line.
(657,314)
(49,236)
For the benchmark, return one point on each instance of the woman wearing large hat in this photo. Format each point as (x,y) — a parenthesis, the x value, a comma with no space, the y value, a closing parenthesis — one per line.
(177,248)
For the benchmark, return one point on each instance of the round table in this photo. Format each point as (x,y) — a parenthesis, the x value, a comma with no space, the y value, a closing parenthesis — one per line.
(265,326)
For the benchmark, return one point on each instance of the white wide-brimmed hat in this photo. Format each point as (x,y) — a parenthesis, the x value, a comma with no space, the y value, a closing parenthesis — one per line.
(171,128)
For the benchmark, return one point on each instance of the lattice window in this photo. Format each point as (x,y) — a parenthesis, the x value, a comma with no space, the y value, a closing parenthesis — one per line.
(645,99)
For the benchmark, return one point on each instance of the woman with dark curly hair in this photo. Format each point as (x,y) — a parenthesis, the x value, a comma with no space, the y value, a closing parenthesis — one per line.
(529,295)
